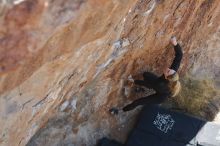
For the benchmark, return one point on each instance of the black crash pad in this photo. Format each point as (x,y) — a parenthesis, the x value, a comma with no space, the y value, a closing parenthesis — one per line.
(161,127)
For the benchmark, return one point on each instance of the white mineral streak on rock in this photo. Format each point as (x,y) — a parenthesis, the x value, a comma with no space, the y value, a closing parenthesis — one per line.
(64,106)
(166,17)
(119,48)
(210,24)
(102,67)
(152,5)
(18,2)
(55,94)
(73,104)
(117,44)
(125,42)
(124,19)
(159,33)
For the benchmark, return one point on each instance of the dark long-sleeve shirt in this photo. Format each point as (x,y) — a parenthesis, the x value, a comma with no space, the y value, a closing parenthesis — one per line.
(178,57)
(176,61)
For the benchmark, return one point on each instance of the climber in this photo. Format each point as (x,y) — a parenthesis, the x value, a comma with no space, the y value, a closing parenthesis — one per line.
(165,86)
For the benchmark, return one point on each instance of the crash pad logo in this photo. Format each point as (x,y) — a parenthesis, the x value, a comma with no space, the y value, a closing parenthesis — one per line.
(163,122)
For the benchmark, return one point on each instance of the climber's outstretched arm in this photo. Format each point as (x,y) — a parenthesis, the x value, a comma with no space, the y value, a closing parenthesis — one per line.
(178,57)
(176,61)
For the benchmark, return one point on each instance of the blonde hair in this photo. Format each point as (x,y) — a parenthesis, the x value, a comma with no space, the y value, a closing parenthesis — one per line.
(174,84)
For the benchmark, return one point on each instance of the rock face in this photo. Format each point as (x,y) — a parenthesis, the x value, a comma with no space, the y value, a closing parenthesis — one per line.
(63,64)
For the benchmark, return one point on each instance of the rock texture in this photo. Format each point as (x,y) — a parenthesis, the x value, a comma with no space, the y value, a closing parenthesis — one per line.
(63,64)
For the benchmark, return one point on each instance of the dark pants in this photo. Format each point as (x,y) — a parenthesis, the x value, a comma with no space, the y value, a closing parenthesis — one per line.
(154,82)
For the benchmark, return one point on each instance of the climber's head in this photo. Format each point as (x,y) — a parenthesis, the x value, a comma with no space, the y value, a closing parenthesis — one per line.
(169,73)
(174,84)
